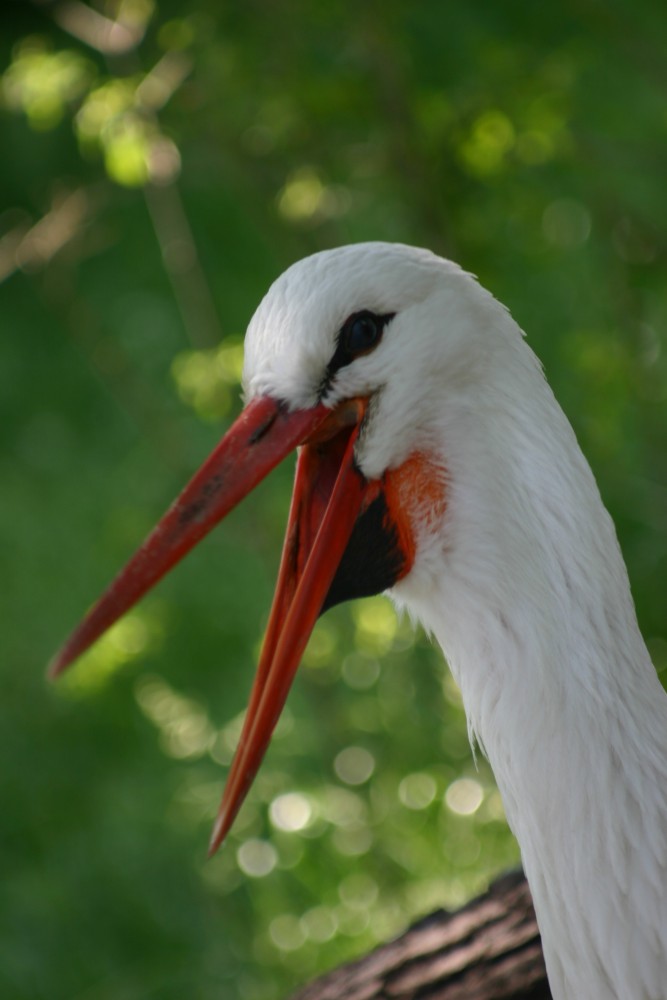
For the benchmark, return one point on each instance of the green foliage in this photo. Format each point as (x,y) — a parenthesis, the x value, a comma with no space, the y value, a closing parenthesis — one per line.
(42,83)
(162,164)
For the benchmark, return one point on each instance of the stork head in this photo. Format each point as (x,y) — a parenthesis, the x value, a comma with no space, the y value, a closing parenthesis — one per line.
(350,358)
(391,324)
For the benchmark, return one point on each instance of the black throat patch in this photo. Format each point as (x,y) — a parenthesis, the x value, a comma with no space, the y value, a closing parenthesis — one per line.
(372,561)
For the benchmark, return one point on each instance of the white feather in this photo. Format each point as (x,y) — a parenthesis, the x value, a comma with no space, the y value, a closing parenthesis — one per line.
(522,582)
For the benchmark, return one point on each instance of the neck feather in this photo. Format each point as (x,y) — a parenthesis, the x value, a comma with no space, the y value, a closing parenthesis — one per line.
(528,596)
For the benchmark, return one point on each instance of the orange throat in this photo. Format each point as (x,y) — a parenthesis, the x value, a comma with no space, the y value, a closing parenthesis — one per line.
(416,493)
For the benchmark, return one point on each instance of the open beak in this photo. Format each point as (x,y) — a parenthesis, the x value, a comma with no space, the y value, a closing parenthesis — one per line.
(331,497)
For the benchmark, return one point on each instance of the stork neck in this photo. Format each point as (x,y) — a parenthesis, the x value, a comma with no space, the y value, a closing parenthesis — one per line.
(532,607)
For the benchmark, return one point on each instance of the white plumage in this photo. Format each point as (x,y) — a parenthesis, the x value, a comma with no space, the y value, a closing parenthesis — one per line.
(521,581)
(424,420)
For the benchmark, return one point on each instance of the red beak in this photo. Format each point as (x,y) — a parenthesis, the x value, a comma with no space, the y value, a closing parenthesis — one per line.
(330,495)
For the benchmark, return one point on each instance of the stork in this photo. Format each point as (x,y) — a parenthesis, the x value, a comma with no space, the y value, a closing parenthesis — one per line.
(435,463)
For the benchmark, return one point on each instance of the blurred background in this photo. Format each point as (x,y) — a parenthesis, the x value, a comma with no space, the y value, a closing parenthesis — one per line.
(162,162)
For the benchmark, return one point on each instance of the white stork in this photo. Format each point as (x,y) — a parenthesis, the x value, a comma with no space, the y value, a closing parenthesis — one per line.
(435,463)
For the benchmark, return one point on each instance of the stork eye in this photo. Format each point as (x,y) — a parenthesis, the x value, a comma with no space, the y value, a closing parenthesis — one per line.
(362,332)
(359,334)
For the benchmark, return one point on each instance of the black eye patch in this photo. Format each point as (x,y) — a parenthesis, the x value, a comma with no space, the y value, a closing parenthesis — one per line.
(360,334)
